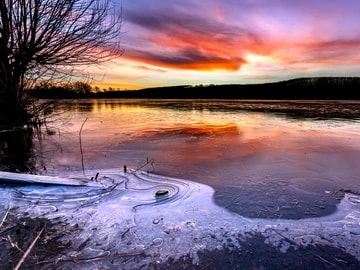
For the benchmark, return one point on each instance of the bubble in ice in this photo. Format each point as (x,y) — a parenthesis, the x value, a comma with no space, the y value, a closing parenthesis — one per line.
(157,241)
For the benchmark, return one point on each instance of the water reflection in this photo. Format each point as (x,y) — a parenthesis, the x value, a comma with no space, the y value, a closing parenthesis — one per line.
(293,109)
(16,149)
(264,159)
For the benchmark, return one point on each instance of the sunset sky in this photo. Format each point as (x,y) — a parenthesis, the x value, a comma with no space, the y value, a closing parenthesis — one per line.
(233,41)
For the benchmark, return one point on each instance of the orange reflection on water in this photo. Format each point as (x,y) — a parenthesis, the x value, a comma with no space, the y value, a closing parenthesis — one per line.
(115,106)
(200,143)
(202,129)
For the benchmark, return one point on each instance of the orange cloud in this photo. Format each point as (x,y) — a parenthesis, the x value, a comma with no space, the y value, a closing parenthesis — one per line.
(165,42)
(192,43)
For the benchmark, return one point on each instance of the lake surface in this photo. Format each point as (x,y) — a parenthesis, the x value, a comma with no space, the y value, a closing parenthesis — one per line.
(274,159)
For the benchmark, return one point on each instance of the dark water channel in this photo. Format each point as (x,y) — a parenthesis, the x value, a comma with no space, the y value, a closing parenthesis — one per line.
(273,159)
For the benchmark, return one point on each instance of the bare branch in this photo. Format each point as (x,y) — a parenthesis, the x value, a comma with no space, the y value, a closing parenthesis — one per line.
(49,38)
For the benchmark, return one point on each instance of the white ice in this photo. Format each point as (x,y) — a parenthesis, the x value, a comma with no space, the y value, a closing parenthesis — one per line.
(121,213)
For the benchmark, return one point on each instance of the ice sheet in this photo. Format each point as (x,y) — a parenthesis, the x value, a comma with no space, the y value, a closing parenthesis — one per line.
(124,213)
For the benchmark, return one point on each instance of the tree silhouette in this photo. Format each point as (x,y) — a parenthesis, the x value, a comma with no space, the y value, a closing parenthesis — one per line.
(47,39)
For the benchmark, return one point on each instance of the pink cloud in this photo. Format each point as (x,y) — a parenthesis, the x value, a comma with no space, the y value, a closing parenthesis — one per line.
(219,35)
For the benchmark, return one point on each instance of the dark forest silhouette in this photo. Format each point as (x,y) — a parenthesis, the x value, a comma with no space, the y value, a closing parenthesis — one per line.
(317,88)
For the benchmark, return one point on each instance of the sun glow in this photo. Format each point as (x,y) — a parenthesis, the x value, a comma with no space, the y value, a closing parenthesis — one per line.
(255,59)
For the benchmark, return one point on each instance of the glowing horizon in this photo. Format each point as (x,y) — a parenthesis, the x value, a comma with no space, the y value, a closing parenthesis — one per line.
(213,42)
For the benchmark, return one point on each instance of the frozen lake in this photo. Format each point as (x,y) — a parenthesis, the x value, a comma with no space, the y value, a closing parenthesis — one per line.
(284,174)
(264,159)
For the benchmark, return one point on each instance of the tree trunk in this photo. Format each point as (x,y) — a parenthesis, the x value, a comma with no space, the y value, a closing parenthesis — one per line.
(12,112)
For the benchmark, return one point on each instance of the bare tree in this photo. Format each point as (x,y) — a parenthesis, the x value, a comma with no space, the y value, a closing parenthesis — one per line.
(51,38)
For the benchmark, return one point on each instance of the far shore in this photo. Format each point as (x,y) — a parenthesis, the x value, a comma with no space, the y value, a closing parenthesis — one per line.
(318,88)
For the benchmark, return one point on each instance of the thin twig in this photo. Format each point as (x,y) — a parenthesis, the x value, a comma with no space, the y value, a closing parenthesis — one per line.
(326,261)
(148,161)
(81,151)
(29,249)
(97,258)
(14,244)
(5,216)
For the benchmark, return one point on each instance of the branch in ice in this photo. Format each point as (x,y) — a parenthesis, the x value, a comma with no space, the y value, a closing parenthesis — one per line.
(27,252)
(81,150)
(117,255)
(5,216)
(150,162)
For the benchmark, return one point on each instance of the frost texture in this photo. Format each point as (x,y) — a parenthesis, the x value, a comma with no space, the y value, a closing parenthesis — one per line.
(122,213)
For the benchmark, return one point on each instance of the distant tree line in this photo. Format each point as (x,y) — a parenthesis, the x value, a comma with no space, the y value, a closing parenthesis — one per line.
(63,90)
(327,88)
